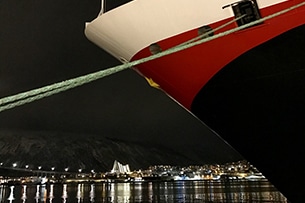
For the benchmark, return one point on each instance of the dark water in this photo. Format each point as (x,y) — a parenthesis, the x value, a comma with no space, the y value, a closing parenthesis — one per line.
(179,191)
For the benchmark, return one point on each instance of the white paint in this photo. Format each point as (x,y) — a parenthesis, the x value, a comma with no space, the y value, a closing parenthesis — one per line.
(131,27)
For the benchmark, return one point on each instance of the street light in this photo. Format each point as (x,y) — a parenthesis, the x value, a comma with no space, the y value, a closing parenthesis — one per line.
(14,165)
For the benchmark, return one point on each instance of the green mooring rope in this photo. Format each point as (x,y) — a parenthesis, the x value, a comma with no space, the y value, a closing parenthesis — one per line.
(46,91)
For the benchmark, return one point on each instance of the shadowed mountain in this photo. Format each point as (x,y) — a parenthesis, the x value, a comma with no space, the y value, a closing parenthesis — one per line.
(61,150)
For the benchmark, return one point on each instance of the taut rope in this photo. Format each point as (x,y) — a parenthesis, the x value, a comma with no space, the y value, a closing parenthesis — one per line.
(36,94)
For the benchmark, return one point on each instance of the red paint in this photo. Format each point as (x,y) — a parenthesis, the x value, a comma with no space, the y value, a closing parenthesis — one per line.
(184,73)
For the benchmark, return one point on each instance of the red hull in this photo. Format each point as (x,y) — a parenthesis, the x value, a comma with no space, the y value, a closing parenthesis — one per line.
(184,73)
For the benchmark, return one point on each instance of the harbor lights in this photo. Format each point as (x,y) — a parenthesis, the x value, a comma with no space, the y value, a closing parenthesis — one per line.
(26,166)
(39,167)
(53,168)
(14,165)
(93,174)
(66,169)
(80,170)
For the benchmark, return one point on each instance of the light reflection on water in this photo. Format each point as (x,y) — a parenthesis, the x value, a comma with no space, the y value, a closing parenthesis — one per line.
(179,191)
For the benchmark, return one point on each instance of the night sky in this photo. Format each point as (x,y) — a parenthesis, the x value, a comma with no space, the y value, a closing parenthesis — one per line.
(42,42)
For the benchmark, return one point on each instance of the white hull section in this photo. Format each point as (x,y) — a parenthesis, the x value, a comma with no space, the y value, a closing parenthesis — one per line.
(126,30)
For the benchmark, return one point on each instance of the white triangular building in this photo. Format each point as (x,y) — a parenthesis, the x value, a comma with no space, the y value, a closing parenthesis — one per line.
(120,168)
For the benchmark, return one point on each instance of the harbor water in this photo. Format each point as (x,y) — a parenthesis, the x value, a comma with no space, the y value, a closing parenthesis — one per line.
(128,192)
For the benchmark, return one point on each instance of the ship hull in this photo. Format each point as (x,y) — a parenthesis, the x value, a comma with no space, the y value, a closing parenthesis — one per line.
(253,98)
(256,103)
(182,74)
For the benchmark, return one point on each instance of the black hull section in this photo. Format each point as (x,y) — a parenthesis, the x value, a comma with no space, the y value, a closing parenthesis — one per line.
(257,104)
